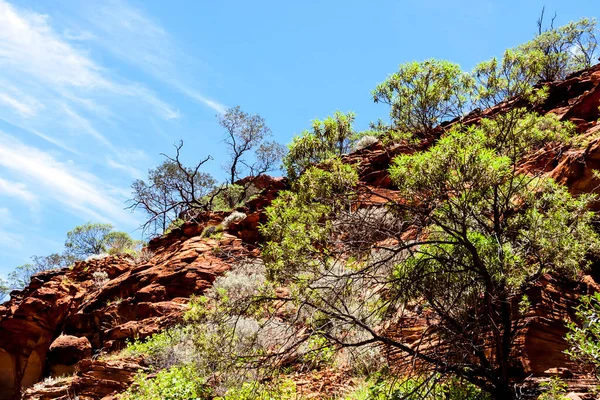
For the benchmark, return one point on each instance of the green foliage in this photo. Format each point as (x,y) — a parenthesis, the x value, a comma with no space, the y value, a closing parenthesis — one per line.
(175,383)
(93,239)
(283,389)
(244,133)
(319,352)
(423,94)
(518,132)
(492,231)
(177,223)
(158,349)
(227,197)
(553,389)
(388,388)
(212,231)
(88,239)
(297,226)
(584,338)
(329,138)
(514,76)
(566,49)
(121,243)
(484,191)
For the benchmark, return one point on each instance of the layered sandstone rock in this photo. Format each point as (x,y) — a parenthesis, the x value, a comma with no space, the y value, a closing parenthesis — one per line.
(66,315)
(142,298)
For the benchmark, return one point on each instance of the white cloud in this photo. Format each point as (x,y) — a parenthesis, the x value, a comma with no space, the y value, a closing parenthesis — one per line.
(17,190)
(24,109)
(31,49)
(135,38)
(80,192)
(132,171)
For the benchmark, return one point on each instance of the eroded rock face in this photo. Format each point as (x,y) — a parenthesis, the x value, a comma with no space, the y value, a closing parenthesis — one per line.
(97,379)
(65,352)
(143,298)
(63,316)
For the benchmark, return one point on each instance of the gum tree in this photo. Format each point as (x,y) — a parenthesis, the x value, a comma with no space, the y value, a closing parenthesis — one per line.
(328,138)
(421,95)
(171,189)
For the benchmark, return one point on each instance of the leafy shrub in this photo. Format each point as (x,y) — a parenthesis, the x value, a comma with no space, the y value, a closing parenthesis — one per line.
(173,346)
(226,197)
(174,225)
(553,389)
(423,94)
(317,352)
(212,230)
(384,387)
(584,339)
(329,138)
(565,49)
(284,389)
(175,383)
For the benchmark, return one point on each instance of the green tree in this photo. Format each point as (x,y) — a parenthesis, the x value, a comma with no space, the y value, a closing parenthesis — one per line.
(565,49)
(328,138)
(121,243)
(95,239)
(243,134)
(467,241)
(171,190)
(421,95)
(21,275)
(88,239)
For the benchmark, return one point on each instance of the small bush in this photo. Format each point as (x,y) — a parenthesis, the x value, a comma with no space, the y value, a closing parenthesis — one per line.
(175,383)
(174,225)
(417,388)
(100,279)
(554,389)
(212,230)
(143,256)
(233,218)
(242,282)
(584,339)
(171,347)
(283,390)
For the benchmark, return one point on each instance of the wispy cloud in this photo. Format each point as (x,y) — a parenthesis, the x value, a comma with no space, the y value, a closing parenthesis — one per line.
(53,89)
(80,192)
(132,36)
(17,190)
(38,59)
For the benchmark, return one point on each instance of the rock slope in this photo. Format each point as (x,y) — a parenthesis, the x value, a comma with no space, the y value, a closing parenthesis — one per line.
(64,317)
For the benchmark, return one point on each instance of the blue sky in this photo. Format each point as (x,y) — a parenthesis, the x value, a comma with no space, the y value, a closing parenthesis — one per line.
(92,91)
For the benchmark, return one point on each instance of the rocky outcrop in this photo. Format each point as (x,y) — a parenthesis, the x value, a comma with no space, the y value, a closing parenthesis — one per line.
(65,352)
(97,379)
(47,327)
(68,315)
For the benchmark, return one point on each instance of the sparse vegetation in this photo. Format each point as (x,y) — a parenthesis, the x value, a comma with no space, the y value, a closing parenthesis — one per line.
(421,294)
(100,278)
